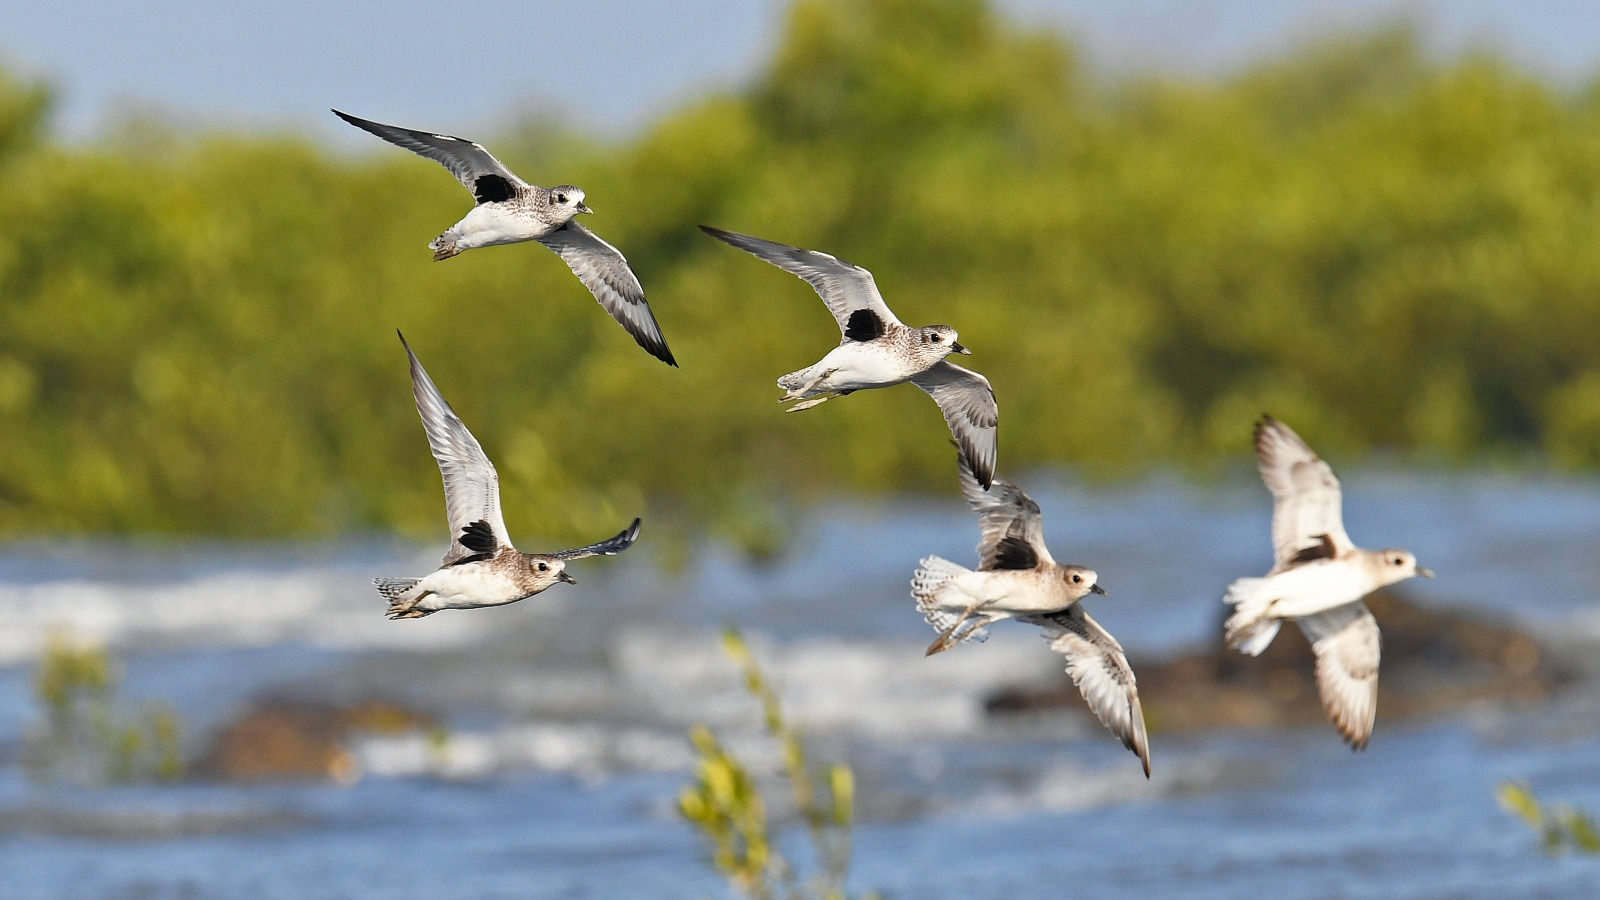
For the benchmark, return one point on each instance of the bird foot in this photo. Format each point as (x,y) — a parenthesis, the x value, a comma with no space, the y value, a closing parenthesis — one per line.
(949,638)
(807,404)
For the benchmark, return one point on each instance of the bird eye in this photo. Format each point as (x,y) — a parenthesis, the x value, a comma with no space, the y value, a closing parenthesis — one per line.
(937,339)
(1077,579)
(561,198)
(544,567)
(1398,561)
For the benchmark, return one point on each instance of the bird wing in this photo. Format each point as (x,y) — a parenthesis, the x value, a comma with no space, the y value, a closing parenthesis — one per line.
(1306,519)
(969,408)
(609,547)
(1347,644)
(471,485)
(1100,670)
(845,287)
(1010,524)
(605,272)
(466,160)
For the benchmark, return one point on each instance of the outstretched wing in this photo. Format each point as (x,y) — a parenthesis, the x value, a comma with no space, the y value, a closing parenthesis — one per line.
(476,168)
(1100,670)
(1307,521)
(970,410)
(605,272)
(609,547)
(847,288)
(1347,644)
(471,485)
(1010,526)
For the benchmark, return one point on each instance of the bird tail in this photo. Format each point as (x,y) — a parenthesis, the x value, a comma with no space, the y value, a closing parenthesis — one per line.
(444,246)
(1251,628)
(795,380)
(929,584)
(401,594)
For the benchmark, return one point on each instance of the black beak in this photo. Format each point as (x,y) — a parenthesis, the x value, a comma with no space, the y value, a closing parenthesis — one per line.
(584,208)
(1096,588)
(956,347)
(567,578)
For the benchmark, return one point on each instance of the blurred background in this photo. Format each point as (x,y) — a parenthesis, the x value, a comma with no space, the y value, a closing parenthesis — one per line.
(1150,221)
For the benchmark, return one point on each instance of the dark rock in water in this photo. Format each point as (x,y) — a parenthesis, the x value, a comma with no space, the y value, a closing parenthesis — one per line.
(1433,662)
(300,740)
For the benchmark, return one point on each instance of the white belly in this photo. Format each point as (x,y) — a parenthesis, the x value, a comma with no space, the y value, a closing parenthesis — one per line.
(489,224)
(1315,587)
(1000,591)
(466,587)
(859,366)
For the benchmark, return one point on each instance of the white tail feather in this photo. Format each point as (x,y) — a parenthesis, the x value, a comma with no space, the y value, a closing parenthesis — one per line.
(929,583)
(1250,629)
(395,588)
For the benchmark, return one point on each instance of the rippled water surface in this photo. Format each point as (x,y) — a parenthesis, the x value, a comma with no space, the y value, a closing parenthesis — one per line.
(567,713)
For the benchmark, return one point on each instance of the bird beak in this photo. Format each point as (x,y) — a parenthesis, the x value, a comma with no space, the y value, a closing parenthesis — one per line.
(584,208)
(1424,572)
(567,578)
(1097,588)
(960,349)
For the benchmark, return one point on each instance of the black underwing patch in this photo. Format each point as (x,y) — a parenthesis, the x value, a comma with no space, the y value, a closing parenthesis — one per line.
(1323,549)
(479,537)
(492,189)
(1014,553)
(863,325)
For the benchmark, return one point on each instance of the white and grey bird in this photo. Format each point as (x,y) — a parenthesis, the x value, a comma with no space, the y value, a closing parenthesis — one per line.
(878,350)
(481,567)
(1018,579)
(1317,580)
(510,210)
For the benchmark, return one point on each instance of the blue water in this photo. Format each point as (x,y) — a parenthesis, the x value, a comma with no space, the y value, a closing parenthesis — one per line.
(567,715)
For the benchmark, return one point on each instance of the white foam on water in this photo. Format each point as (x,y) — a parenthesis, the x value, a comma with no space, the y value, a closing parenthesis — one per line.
(885,691)
(321,604)
(588,750)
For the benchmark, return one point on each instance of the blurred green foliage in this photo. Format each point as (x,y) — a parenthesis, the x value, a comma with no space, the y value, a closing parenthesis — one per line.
(725,802)
(1387,250)
(84,736)
(1559,827)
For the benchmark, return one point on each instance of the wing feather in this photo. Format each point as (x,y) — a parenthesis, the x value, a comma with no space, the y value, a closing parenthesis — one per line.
(1306,511)
(1005,514)
(609,547)
(844,287)
(471,485)
(1347,645)
(605,272)
(1100,670)
(967,402)
(467,160)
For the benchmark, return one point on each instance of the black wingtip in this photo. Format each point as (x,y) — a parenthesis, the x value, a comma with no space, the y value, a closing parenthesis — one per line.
(727,237)
(660,352)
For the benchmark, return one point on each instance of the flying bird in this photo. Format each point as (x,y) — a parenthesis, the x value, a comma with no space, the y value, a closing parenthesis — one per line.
(510,210)
(1317,580)
(480,567)
(878,350)
(1018,579)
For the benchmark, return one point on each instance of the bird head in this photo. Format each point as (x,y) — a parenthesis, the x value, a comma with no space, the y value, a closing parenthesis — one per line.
(1398,565)
(1081,581)
(569,199)
(943,339)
